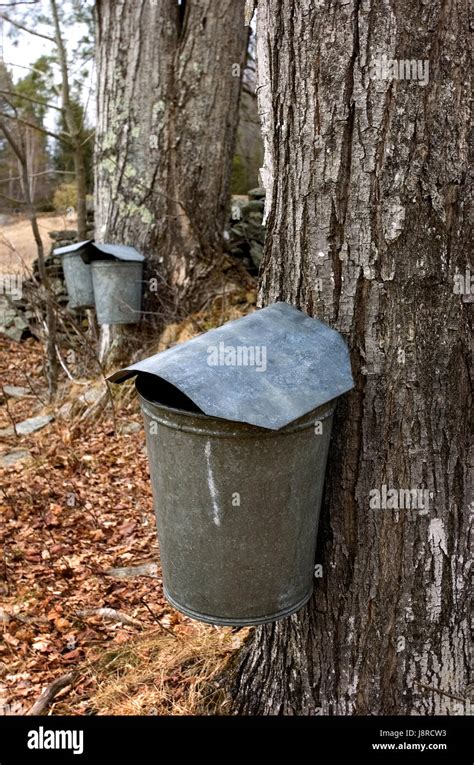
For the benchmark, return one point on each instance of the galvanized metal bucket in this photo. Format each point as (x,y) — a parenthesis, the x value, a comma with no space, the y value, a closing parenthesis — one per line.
(78,278)
(77,274)
(238,422)
(237,508)
(117,291)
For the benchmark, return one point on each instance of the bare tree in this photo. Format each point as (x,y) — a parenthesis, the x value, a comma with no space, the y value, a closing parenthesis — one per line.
(75,128)
(74,137)
(169,78)
(17,144)
(365,118)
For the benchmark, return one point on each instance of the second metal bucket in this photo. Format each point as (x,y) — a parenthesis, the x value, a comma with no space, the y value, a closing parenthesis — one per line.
(117,290)
(78,278)
(237,509)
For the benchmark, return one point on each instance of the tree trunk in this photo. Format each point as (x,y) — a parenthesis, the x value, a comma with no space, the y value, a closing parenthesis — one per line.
(74,129)
(81,189)
(366,201)
(18,145)
(169,83)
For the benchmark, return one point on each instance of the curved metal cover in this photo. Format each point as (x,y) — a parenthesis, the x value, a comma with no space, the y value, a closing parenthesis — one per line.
(105,251)
(72,247)
(91,250)
(266,369)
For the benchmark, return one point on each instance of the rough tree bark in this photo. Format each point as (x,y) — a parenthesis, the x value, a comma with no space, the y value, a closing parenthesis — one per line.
(366,201)
(168,92)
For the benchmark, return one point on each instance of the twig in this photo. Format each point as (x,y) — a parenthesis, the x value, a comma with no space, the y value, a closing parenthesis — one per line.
(25,29)
(111,613)
(28,98)
(69,375)
(438,690)
(49,693)
(170,632)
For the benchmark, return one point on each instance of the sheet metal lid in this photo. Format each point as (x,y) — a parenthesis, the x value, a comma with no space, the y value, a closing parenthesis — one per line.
(267,368)
(72,247)
(105,251)
(91,250)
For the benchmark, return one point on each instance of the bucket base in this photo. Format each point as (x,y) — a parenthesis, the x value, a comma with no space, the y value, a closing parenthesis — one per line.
(237,622)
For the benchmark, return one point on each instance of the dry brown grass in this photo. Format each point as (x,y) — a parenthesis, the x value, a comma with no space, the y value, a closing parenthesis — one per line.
(160,674)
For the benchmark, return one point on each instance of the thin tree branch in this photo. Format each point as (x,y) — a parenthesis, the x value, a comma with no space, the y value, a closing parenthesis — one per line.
(11,140)
(12,199)
(248,90)
(439,690)
(74,125)
(32,100)
(35,175)
(30,69)
(49,693)
(162,626)
(35,127)
(25,29)
(86,140)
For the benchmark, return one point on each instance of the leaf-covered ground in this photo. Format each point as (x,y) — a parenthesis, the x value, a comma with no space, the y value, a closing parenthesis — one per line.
(79,506)
(76,505)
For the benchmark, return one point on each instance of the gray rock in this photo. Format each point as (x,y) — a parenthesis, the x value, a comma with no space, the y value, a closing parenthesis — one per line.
(11,458)
(31,425)
(63,234)
(16,391)
(13,328)
(131,427)
(255,205)
(237,232)
(236,206)
(91,395)
(19,322)
(254,231)
(257,193)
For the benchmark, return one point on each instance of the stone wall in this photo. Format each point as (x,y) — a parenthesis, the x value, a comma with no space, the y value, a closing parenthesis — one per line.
(246,235)
(21,318)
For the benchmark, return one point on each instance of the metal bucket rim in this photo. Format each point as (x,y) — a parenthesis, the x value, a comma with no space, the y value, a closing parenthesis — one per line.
(223,621)
(75,254)
(245,429)
(116,263)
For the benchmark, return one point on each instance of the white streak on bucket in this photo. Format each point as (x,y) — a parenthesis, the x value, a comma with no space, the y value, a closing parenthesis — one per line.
(212,486)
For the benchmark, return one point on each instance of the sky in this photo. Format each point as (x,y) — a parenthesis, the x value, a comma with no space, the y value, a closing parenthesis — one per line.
(20,53)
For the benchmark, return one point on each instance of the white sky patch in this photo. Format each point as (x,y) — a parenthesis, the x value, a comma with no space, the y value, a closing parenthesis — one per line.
(20,52)
(212,486)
